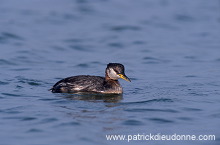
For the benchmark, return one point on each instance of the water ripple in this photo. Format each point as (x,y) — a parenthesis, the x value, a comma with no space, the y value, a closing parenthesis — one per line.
(152,110)
(184,18)
(34,130)
(49,120)
(161,120)
(149,101)
(21,118)
(6,62)
(83,65)
(192,109)
(73,123)
(133,122)
(4,83)
(116,45)
(153,60)
(28,118)
(6,36)
(80,47)
(31,82)
(185,118)
(10,94)
(125,28)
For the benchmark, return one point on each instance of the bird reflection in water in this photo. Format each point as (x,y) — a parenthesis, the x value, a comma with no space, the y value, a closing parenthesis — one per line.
(108,98)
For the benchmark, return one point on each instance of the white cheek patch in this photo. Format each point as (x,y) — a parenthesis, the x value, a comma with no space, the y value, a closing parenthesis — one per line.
(112,74)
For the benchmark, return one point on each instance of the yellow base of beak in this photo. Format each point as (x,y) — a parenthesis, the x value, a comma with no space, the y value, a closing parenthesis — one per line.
(124,77)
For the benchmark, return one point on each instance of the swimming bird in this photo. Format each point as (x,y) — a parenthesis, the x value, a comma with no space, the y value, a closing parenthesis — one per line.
(94,84)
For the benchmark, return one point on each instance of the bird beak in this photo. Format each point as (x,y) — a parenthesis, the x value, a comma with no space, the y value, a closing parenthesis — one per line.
(123,76)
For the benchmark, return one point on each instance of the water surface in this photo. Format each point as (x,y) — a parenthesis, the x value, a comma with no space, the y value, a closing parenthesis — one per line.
(170,50)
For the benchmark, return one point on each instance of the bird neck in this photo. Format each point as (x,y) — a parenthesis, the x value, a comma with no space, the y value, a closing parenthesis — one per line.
(107,78)
(112,86)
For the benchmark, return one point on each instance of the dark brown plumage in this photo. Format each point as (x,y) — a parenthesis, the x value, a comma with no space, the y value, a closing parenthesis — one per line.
(95,84)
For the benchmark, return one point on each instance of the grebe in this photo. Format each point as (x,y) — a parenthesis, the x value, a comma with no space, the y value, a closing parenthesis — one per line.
(94,84)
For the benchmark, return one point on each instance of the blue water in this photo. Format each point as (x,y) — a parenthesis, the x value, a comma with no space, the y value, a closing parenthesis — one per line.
(170,50)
